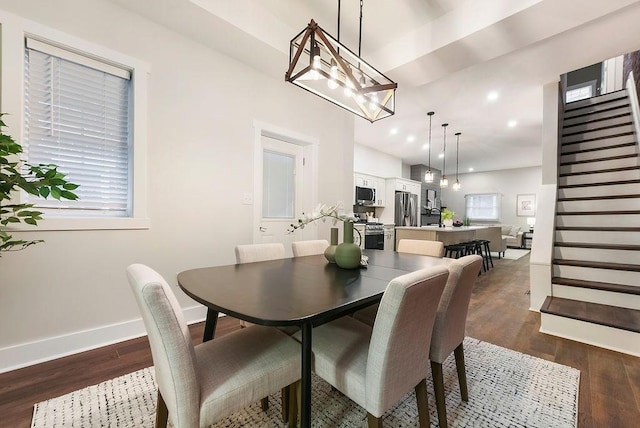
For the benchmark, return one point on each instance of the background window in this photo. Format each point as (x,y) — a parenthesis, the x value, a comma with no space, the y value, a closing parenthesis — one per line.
(77,116)
(278,193)
(483,207)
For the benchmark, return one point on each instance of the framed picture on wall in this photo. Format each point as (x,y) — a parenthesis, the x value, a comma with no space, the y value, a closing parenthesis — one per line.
(526,205)
(431,199)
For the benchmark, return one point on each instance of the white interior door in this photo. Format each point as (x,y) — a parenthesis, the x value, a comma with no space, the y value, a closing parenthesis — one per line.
(281,179)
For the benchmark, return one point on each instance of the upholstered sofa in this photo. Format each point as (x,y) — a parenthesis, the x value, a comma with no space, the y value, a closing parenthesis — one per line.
(513,235)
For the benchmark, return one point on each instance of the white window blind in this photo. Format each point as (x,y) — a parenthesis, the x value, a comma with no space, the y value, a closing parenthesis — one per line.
(77,116)
(483,207)
(278,188)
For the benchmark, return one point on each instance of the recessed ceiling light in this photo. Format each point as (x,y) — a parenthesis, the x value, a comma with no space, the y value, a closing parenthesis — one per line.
(411,139)
(441,155)
(393,131)
(471,169)
(512,123)
(492,96)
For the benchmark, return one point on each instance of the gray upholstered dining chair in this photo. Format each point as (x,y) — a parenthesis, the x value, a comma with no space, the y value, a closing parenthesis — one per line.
(250,253)
(421,246)
(410,246)
(449,328)
(199,385)
(377,366)
(309,248)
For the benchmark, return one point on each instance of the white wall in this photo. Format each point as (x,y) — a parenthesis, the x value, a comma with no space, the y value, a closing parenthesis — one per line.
(509,183)
(369,161)
(201,109)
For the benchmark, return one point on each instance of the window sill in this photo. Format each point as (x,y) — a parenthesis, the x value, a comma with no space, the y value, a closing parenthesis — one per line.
(84,223)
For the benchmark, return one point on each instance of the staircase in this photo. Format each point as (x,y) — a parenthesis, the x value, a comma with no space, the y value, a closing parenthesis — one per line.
(596,259)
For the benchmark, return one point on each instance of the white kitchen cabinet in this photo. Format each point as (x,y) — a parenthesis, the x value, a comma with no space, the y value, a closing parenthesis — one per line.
(362,180)
(389,237)
(373,182)
(404,185)
(381,188)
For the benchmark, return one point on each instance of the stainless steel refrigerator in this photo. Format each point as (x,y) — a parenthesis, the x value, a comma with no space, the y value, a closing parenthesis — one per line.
(406,213)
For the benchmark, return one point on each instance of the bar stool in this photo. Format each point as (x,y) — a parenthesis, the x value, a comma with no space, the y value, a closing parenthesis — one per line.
(475,247)
(487,251)
(455,251)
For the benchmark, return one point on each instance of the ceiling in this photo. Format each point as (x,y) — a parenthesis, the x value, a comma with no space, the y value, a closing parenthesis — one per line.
(445,55)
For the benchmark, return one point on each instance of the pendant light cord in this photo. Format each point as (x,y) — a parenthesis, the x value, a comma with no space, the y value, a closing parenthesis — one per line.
(338,23)
(430,114)
(444,150)
(360,34)
(457,153)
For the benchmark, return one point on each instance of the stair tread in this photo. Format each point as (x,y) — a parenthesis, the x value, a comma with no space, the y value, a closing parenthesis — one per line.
(598,265)
(602,183)
(610,316)
(599,229)
(601,128)
(595,198)
(622,212)
(600,119)
(595,149)
(606,137)
(594,101)
(595,285)
(626,247)
(599,171)
(604,159)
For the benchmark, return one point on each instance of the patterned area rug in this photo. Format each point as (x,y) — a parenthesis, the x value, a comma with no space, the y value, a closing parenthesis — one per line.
(512,254)
(506,389)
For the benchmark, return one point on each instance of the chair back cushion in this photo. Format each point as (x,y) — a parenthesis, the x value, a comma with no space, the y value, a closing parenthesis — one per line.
(171,348)
(451,319)
(259,252)
(423,247)
(399,349)
(309,248)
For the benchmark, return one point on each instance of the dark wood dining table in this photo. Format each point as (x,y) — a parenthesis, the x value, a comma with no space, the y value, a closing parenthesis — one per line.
(300,291)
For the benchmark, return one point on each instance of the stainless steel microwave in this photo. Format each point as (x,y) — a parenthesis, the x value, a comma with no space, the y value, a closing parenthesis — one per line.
(365,196)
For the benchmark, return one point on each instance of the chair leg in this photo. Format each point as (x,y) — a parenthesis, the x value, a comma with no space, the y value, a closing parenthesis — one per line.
(373,422)
(438,387)
(423,404)
(462,374)
(293,405)
(264,403)
(162,413)
(285,397)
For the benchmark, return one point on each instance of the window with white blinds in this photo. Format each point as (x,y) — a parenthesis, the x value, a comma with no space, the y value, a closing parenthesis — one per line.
(483,207)
(77,116)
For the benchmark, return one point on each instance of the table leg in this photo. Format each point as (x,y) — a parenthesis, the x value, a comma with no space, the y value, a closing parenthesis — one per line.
(210,325)
(305,419)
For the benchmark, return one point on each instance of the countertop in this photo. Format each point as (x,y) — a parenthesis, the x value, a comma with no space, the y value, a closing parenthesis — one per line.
(441,229)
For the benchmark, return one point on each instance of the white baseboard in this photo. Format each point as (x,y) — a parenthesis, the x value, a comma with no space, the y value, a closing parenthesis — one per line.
(51,348)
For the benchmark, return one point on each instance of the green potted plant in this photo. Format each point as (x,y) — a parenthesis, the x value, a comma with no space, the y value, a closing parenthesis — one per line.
(39,180)
(447,217)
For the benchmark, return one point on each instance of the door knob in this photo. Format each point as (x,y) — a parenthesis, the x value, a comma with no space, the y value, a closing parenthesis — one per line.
(263,229)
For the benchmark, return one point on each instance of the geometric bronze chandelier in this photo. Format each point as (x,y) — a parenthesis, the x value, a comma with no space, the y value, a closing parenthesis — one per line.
(320,64)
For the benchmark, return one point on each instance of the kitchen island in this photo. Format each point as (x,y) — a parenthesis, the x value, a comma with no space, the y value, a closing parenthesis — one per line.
(447,235)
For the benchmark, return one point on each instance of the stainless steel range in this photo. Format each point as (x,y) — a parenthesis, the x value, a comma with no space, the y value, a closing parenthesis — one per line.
(374,236)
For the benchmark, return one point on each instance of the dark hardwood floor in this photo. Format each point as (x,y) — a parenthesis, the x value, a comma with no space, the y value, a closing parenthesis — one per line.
(609,381)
